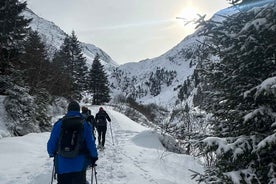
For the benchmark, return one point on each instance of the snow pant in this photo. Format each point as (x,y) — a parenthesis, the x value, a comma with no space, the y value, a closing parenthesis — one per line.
(101,134)
(72,178)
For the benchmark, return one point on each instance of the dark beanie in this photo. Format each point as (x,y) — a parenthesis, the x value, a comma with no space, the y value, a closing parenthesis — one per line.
(84,109)
(74,106)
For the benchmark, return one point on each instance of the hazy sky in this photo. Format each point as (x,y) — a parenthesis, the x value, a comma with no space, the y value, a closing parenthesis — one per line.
(128,30)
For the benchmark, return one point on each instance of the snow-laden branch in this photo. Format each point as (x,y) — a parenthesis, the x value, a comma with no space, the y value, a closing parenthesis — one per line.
(224,145)
(269,140)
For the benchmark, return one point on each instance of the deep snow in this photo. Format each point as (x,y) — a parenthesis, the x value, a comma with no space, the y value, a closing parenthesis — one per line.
(136,157)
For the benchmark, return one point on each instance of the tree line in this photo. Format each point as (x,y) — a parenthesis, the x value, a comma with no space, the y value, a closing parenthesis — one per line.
(31,79)
(24,59)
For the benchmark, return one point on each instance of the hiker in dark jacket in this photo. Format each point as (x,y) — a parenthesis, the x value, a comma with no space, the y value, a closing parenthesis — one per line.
(89,118)
(101,125)
(72,170)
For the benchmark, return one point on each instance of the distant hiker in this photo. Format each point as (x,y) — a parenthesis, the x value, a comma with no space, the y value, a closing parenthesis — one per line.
(101,125)
(89,118)
(73,147)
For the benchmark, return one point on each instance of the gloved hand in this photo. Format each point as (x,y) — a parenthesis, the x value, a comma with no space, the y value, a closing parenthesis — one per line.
(93,161)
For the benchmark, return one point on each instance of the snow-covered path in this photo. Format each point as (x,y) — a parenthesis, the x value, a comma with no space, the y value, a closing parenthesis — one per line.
(136,157)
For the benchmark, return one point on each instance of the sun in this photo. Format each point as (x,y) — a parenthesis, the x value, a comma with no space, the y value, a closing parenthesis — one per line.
(188,14)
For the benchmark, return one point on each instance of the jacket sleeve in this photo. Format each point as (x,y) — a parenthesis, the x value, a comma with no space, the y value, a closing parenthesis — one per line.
(96,117)
(107,117)
(52,144)
(90,142)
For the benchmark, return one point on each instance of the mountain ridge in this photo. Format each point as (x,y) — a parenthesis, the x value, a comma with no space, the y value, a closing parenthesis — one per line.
(53,36)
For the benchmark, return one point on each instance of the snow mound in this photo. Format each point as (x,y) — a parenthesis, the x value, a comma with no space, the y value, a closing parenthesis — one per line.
(148,139)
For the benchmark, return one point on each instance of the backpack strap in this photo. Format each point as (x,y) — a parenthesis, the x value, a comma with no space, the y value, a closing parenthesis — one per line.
(70,122)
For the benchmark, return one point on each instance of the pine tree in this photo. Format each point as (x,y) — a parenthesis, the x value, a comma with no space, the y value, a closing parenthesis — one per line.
(37,71)
(13,29)
(73,66)
(241,98)
(80,69)
(62,86)
(98,83)
(35,63)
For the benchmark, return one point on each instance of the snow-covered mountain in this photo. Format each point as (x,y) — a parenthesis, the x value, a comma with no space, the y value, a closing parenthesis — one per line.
(151,81)
(53,36)
(157,80)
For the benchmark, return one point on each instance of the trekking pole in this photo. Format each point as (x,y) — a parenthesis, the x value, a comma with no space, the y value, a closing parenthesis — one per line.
(53,174)
(111,133)
(94,174)
(92,169)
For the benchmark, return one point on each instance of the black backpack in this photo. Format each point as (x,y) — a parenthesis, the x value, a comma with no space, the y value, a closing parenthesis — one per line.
(101,121)
(71,139)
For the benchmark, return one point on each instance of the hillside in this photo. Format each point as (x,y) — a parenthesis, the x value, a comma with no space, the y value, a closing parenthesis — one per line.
(158,80)
(53,36)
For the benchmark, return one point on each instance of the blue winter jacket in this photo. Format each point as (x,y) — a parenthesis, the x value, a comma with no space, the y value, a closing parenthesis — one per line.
(79,163)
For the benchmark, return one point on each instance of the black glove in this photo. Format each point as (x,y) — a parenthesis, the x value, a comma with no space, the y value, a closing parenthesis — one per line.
(93,161)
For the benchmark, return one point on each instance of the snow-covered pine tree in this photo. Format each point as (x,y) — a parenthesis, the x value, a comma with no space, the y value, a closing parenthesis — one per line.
(40,110)
(19,104)
(78,62)
(242,98)
(20,107)
(37,75)
(98,83)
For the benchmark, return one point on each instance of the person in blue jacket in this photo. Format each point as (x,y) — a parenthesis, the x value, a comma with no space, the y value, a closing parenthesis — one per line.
(72,170)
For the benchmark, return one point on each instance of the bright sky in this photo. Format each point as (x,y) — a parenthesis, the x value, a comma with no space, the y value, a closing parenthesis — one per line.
(128,30)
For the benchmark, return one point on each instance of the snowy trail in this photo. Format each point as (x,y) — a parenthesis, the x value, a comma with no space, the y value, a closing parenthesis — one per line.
(136,157)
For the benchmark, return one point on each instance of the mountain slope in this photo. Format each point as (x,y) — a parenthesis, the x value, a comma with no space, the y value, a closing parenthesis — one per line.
(160,79)
(156,80)
(53,36)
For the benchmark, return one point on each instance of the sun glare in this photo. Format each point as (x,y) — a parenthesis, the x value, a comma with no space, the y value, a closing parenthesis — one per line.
(188,14)
(185,19)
